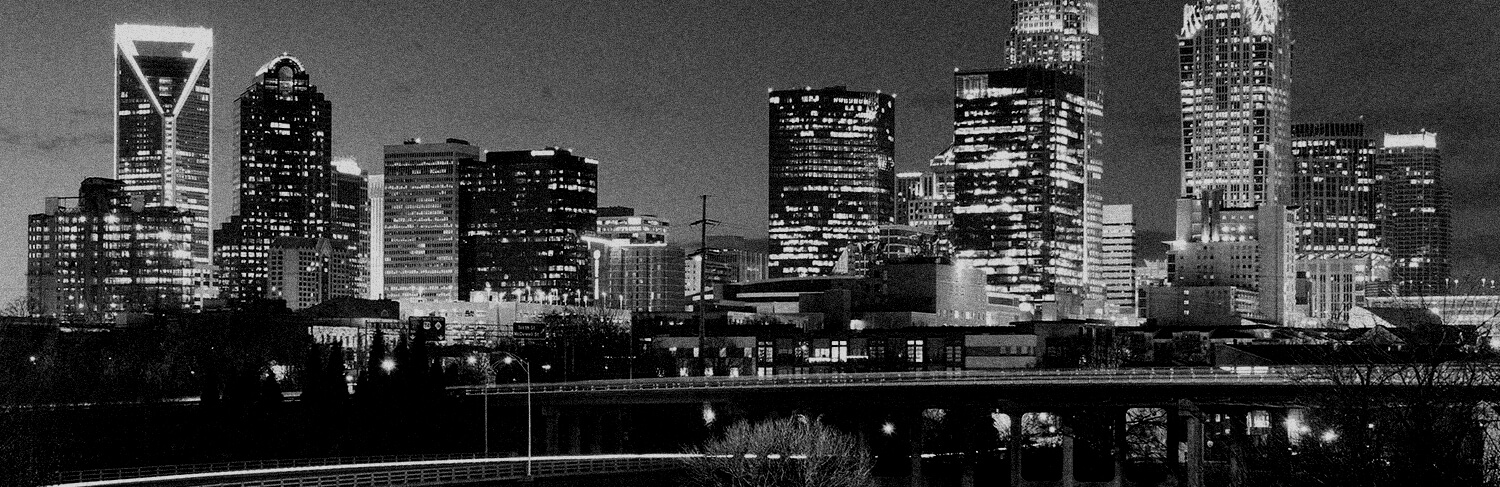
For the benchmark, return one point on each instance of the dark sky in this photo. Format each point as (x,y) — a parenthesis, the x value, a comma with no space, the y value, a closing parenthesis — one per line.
(670,95)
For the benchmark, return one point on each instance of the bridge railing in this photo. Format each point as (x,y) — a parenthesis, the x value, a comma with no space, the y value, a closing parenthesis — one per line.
(1173,375)
(427,472)
(95,475)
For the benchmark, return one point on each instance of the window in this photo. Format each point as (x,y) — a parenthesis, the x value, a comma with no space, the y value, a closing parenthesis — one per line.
(914,351)
(840,350)
(953,354)
(765,351)
(876,350)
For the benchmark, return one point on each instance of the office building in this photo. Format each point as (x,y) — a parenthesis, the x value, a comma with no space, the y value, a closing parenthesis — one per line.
(1249,249)
(925,198)
(522,216)
(1235,61)
(376,203)
(1339,259)
(1063,35)
(1235,66)
(421,218)
(163,126)
(1018,148)
(106,253)
(1415,213)
(635,266)
(832,177)
(1118,261)
(284,185)
(349,230)
(731,259)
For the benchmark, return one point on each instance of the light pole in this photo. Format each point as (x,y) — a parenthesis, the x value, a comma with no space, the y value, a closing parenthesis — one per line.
(525,366)
(490,369)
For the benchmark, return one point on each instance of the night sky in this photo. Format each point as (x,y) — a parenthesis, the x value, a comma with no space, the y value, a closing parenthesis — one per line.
(671,96)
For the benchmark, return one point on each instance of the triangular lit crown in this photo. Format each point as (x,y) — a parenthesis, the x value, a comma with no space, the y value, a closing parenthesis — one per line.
(200,40)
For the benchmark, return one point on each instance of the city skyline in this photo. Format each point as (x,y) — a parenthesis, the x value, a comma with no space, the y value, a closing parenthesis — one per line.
(1143,162)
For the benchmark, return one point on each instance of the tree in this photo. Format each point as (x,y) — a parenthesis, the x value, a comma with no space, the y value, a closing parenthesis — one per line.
(1402,406)
(584,344)
(781,452)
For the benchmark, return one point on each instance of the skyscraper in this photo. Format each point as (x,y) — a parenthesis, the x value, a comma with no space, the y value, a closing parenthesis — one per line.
(1415,213)
(1333,189)
(106,253)
(376,189)
(163,126)
(1235,65)
(1018,146)
(1235,59)
(522,216)
(284,178)
(1063,35)
(925,198)
(832,155)
(349,230)
(1118,260)
(421,218)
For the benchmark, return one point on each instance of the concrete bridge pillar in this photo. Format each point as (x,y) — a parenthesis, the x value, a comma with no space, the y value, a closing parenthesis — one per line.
(575,434)
(917,432)
(1192,440)
(1013,450)
(596,433)
(551,419)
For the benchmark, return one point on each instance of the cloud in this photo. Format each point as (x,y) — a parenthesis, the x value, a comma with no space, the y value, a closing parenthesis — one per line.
(49,143)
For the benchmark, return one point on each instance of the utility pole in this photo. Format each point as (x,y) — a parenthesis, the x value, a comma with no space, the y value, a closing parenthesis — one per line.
(700,307)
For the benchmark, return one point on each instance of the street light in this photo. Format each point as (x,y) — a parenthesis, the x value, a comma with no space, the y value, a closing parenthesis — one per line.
(525,366)
(473,360)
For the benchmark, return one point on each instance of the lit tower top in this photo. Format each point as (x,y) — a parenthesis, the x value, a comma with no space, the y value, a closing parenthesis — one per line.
(1055,34)
(1235,61)
(163,122)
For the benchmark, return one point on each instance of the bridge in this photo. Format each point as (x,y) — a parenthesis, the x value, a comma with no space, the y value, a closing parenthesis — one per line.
(1138,386)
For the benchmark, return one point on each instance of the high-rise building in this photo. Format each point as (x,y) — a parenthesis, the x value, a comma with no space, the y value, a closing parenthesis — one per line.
(377,235)
(421,218)
(1235,65)
(832,155)
(1415,212)
(1235,60)
(163,127)
(522,216)
(284,180)
(1063,35)
(106,253)
(1018,147)
(637,268)
(1118,260)
(1332,186)
(349,231)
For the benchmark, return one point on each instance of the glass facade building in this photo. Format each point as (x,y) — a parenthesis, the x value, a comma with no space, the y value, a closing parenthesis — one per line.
(522,217)
(1235,60)
(105,253)
(163,123)
(636,267)
(1018,149)
(285,183)
(1339,258)
(1415,212)
(421,218)
(1063,35)
(832,178)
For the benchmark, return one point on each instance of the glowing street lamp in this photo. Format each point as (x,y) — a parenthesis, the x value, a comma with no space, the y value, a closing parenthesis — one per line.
(388,365)
(526,367)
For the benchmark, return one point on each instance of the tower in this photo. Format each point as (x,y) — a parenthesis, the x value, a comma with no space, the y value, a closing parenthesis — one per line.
(163,122)
(832,154)
(1415,213)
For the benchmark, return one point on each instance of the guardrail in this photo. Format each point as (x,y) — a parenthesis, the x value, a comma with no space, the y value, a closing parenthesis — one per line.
(1403,375)
(95,475)
(428,472)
